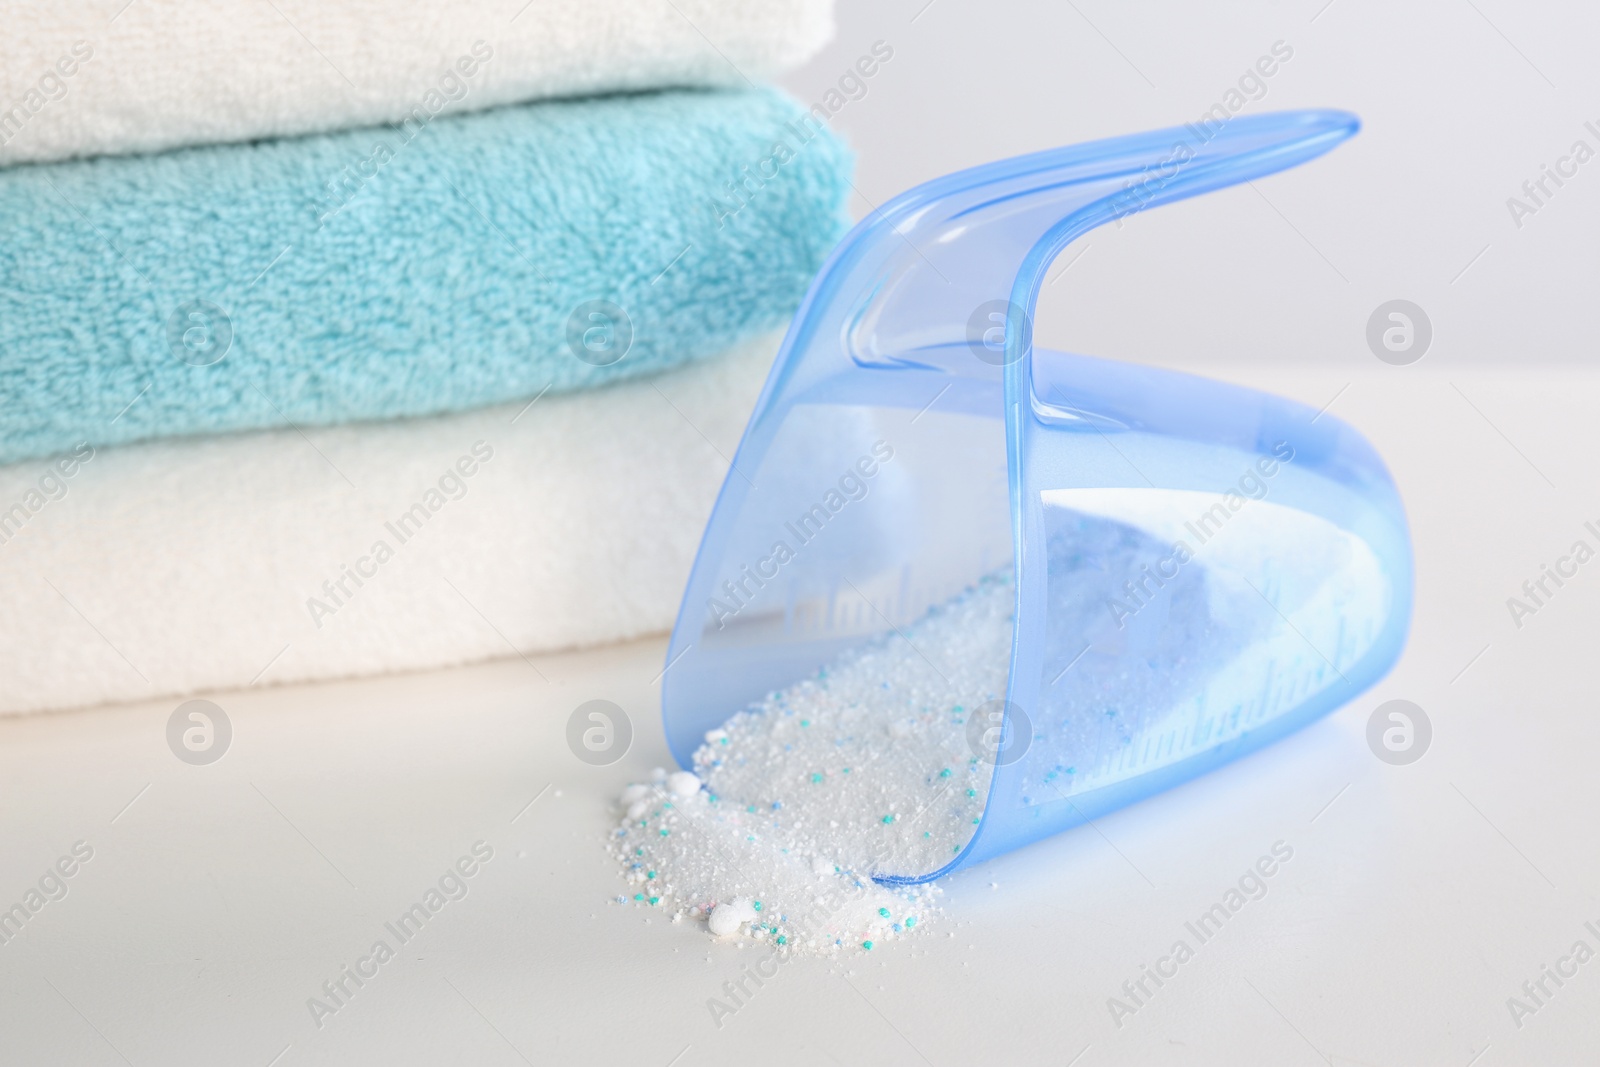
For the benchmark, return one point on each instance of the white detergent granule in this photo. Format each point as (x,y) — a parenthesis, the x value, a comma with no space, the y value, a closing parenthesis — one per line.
(864,769)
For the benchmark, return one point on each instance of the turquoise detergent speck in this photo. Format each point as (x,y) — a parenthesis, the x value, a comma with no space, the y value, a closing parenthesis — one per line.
(912,443)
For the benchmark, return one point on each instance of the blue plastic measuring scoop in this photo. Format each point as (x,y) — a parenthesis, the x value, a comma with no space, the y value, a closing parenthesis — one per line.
(1199,569)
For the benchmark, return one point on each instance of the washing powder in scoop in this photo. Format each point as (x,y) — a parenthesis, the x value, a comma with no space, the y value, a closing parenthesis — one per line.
(870,768)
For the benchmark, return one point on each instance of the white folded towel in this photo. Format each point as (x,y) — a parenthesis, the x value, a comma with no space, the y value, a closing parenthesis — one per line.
(169,567)
(113,76)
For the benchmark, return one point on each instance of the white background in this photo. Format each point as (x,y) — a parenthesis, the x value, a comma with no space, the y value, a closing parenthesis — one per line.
(1419,898)
(1462,100)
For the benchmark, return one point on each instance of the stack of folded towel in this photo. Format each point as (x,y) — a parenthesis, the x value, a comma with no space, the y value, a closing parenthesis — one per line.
(345,338)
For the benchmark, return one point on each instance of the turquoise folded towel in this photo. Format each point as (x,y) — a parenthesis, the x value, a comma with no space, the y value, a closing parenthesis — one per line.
(410,270)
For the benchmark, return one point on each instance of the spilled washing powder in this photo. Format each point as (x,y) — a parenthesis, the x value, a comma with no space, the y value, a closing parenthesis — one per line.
(864,768)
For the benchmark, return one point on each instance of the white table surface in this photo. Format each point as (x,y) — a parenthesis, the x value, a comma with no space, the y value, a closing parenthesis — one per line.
(1419,898)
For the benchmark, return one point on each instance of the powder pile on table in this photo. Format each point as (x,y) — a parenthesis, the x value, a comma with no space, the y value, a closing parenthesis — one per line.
(794,804)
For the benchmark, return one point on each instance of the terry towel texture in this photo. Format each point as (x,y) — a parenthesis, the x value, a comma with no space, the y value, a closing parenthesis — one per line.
(171,567)
(108,76)
(398,272)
